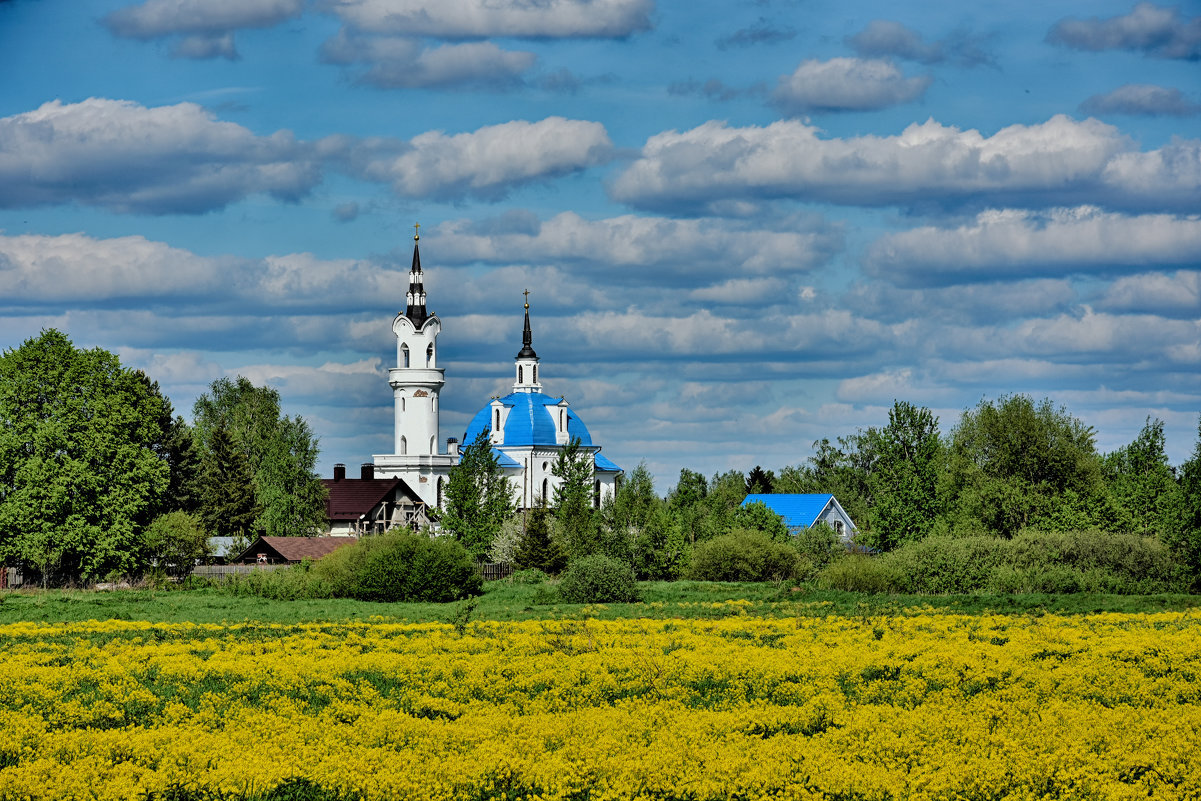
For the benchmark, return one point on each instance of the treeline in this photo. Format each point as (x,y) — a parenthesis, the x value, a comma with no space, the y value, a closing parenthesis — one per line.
(1013,493)
(99,477)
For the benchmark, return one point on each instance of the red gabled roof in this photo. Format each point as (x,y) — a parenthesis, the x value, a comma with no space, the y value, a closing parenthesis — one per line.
(351,498)
(296,549)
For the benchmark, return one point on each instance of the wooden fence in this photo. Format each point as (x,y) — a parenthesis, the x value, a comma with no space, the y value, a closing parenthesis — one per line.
(491,571)
(224,571)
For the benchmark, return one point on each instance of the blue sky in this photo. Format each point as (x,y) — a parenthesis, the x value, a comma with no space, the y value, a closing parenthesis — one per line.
(744,225)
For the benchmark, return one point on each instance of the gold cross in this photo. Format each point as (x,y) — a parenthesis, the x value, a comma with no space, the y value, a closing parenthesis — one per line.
(527,298)
(416,231)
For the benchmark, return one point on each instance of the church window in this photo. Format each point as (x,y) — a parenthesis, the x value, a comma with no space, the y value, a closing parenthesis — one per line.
(596,492)
(404,355)
(545,490)
(520,374)
(535,374)
(562,419)
(404,446)
(429,355)
(496,428)
(402,403)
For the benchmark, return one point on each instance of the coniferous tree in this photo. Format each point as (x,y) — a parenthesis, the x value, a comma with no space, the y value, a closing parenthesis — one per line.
(537,548)
(760,481)
(478,498)
(228,508)
(574,515)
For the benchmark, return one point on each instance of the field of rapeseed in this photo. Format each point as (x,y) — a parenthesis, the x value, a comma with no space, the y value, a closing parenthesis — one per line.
(921,706)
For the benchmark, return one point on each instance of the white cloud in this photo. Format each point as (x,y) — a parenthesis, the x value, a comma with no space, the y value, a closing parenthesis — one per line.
(207,26)
(1142,99)
(1016,243)
(124,157)
(887,38)
(846,84)
(467,19)
(686,247)
(1058,162)
(1169,294)
(486,163)
(395,63)
(1155,30)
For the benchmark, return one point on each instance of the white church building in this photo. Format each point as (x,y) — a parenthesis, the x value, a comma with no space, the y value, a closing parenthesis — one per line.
(526,428)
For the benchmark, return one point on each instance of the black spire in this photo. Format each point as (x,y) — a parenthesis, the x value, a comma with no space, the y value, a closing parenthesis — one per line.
(415,308)
(527,336)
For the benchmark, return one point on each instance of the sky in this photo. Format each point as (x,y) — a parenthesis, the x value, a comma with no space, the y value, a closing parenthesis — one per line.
(744,226)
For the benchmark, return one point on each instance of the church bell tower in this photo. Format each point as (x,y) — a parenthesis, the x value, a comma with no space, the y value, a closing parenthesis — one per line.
(416,380)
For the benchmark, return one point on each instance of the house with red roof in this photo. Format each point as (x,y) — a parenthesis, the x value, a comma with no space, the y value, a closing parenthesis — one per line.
(370,505)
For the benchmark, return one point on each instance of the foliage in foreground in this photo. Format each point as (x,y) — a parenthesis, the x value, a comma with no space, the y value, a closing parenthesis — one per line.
(598,579)
(972,707)
(388,567)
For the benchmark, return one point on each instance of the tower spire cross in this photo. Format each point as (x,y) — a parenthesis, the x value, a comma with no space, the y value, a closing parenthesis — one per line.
(416,231)
(527,298)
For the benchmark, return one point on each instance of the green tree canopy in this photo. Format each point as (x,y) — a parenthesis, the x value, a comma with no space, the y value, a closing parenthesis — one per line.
(82,471)
(478,498)
(909,460)
(280,454)
(574,515)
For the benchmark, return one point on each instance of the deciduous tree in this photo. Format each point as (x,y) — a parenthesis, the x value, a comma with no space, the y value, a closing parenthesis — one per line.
(478,497)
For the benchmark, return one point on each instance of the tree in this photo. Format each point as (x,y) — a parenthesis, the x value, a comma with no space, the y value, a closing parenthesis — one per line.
(176,540)
(843,470)
(1144,485)
(1186,541)
(574,515)
(639,530)
(760,481)
(1017,463)
(685,502)
(757,517)
(228,508)
(538,549)
(280,452)
(478,497)
(81,472)
(185,492)
(905,478)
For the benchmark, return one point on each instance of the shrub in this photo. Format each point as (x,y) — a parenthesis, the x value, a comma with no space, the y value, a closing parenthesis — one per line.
(819,545)
(598,579)
(282,584)
(860,573)
(176,540)
(938,565)
(531,576)
(409,567)
(745,555)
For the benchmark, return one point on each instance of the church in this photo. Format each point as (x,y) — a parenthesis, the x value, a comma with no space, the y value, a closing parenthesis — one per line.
(527,430)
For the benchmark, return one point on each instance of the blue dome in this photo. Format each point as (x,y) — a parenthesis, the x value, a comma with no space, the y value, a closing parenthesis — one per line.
(529,422)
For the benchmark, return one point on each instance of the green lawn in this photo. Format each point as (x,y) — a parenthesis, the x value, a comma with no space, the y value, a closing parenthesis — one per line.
(504,601)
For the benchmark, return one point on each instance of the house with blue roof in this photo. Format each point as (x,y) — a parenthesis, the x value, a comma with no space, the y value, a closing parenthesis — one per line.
(806,510)
(527,428)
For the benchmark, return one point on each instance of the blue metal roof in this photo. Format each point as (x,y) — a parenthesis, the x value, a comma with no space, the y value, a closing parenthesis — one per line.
(798,511)
(606,465)
(504,460)
(529,421)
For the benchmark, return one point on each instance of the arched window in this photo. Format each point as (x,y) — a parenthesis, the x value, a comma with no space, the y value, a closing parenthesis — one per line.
(496,427)
(404,446)
(545,491)
(429,355)
(520,374)
(404,355)
(596,495)
(562,419)
(535,374)
(433,444)
(402,403)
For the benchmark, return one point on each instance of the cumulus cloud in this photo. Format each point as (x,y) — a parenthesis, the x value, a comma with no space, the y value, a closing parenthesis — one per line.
(681,247)
(889,39)
(1017,243)
(401,63)
(762,32)
(1141,99)
(470,19)
(1058,162)
(1159,31)
(205,27)
(486,163)
(124,157)
(846,84)
(1175,294)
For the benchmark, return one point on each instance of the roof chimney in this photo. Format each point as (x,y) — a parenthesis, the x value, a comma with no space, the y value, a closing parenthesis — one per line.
(452,446)
(339,472)
(367,471)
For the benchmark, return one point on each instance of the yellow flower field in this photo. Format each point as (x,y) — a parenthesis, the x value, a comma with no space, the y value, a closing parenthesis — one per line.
(923,706)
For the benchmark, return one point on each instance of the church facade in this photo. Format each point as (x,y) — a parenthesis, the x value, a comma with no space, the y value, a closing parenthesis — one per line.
(526,429)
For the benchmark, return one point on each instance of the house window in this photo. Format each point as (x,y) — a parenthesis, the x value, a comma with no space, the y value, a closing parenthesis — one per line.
(838,528)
